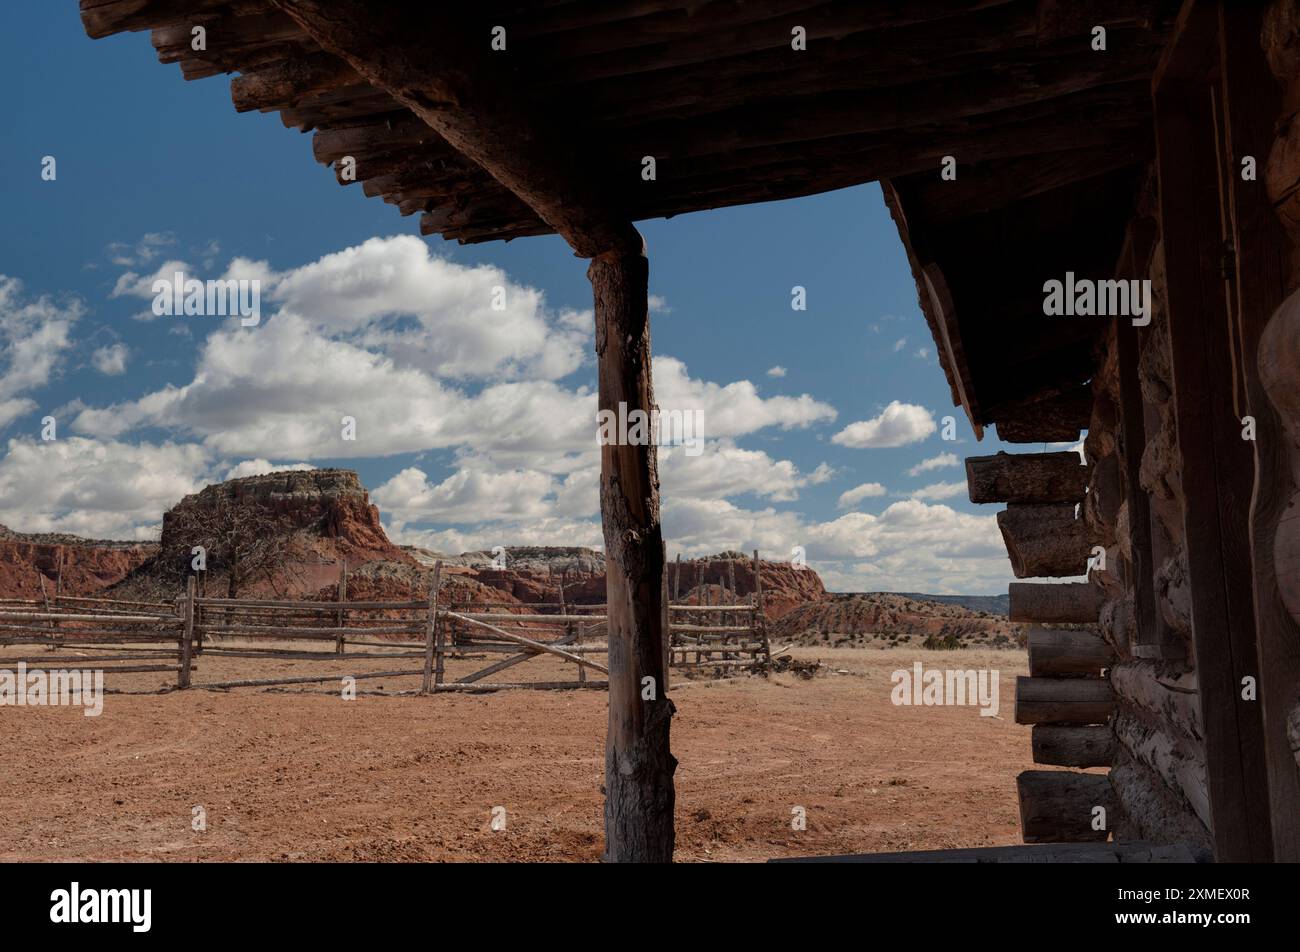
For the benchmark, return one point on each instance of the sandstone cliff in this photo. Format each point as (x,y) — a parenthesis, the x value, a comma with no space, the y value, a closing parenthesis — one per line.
(328,509)
(88,566)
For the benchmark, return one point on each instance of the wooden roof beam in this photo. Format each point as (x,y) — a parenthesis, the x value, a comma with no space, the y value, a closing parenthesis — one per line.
(1055,603)
(465,97)
(1044,540)
(290,82)
(1050,419)
(682,38)
(937,305)
(807,118)
(1026,478)
(989,186)
(103,18)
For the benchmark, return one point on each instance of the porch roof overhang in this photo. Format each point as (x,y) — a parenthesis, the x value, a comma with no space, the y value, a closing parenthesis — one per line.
(1048,133)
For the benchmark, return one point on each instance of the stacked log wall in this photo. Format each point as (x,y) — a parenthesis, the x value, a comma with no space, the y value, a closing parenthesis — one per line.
(1158,770)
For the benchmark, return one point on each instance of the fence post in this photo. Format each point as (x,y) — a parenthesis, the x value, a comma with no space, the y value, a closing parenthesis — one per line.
(187,637)
(705,600)
(731,600)
(40,576)
(200,592)
(439,653)
(758,619)
(342,597)
(430,642)
(570,628)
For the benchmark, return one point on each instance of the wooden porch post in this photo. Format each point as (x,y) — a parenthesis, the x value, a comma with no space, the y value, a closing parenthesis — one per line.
(434,64)
(639,767)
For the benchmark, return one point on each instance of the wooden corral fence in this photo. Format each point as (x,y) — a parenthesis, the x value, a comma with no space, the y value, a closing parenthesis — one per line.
(729,634)
(112,635)
(120,635)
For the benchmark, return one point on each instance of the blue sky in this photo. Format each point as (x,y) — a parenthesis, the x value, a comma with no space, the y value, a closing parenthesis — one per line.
(471,426)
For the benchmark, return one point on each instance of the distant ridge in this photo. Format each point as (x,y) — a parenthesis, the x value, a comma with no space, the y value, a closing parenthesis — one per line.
(994,604)
(891,619)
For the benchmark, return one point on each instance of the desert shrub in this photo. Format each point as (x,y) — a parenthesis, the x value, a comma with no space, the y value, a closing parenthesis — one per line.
(949,642)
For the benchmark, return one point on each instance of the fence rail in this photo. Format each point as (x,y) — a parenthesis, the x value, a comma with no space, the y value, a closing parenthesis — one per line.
(116,630)
(726,635)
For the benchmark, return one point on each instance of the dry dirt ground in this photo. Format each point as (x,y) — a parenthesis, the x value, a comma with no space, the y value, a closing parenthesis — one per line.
(305,775)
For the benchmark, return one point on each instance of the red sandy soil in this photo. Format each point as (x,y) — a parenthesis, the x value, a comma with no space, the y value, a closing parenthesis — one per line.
(304,775)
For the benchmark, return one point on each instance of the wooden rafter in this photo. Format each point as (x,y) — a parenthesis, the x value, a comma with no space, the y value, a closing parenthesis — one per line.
(465,97)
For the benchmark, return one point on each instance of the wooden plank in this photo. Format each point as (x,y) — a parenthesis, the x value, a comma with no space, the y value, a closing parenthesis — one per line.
(304,605)
(1044,540)
(306,679)
(548,647)
(1026,478)
(102,619)
(1132,440)
(1066,745)
(527,686)
(1063,700)
(1053,419)
(501,617)
(711,609)
(44,661)
(710,629)
(1060,806)
(935,300)
(75,638)
(1191,50)
(519,658)
(328,633)
(1251,104)
(1209,437)
(1055,603)
(95,665)
(1057,652)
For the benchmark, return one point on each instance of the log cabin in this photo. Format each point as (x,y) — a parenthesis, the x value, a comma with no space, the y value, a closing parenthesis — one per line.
(1019,144)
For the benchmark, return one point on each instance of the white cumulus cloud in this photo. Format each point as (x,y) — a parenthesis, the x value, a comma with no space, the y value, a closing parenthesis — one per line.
(111,360)
(897,425)
(934,462)
(855,495)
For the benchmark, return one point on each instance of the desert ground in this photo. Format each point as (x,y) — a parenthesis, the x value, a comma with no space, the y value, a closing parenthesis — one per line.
(300,774)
